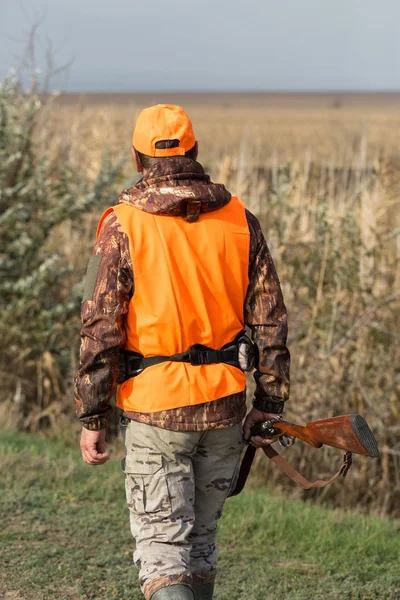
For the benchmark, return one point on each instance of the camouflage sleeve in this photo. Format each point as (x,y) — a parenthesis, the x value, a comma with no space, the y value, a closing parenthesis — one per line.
(108,289)
(265,314)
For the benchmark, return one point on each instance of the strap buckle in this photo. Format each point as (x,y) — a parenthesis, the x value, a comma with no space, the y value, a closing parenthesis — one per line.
(347,462)
(203,357)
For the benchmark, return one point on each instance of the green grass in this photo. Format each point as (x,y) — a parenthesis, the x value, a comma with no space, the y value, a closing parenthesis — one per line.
(65,535)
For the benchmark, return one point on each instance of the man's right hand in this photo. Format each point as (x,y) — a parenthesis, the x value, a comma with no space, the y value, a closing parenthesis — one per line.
(257,416)
(93,447)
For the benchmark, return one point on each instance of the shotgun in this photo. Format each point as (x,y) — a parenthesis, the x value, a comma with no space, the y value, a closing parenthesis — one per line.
(347,432)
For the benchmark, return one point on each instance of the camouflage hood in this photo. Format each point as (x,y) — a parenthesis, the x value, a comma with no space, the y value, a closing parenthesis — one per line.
(176,187)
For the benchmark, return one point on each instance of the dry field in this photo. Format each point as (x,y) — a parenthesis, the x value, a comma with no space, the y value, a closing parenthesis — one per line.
(339,129)
(322,172)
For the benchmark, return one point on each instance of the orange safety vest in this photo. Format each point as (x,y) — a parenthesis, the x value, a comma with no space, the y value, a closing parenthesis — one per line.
(190,284)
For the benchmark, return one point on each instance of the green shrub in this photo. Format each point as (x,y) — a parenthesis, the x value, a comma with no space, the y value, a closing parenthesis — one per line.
(39,287)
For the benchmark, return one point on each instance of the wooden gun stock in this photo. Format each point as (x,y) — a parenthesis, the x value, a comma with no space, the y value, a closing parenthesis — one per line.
(347,432)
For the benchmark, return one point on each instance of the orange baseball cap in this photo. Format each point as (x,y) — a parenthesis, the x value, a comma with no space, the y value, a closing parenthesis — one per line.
(163,122)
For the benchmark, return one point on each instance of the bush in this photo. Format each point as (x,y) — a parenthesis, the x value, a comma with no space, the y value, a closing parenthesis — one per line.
(43,197)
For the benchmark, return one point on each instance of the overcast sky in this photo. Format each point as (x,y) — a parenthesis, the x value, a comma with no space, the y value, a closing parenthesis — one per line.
(139,45)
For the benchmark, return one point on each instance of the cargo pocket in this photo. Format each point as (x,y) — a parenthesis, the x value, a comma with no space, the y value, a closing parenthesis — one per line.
(145,483)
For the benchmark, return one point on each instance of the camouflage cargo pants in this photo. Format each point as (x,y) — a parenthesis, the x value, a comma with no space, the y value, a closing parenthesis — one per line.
(176,485)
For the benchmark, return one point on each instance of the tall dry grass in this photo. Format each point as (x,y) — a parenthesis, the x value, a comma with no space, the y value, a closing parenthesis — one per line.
(323,176)
(333,235)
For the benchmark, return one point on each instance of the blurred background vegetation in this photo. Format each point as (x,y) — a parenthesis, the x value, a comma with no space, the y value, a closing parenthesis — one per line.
(326,189)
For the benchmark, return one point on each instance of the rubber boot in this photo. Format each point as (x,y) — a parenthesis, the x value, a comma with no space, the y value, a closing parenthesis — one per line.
(174,592)
(204,591)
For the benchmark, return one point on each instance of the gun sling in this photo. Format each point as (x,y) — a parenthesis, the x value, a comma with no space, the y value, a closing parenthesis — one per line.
(248,458)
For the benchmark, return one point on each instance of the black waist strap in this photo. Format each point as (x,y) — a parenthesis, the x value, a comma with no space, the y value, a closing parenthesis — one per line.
(205,356)
(133,363)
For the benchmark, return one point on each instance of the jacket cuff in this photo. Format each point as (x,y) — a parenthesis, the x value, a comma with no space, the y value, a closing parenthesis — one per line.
(269,404)
(95,424)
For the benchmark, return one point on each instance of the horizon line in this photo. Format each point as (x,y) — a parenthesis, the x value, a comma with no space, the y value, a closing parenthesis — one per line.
(237,91)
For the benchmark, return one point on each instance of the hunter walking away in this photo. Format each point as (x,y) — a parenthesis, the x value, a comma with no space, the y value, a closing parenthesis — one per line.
(180,268)
(285,153)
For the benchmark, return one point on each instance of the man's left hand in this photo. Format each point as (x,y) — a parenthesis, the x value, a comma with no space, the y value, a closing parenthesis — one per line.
(257,416)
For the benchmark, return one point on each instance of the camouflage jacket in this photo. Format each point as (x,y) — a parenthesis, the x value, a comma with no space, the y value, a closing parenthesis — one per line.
(178,187)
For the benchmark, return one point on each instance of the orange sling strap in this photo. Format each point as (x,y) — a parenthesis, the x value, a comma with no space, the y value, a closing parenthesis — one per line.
(287,468)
